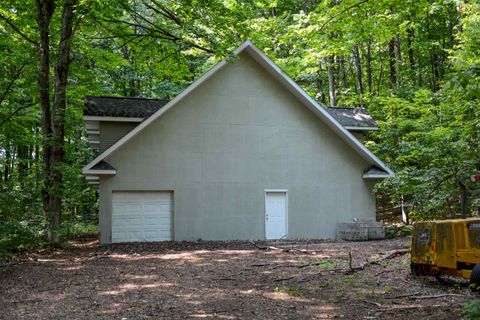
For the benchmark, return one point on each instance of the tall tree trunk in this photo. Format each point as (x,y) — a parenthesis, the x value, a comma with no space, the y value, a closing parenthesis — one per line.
(342,73)
(53,123)
(435,70)
(23,160)
(8,159)
(320,94)
(411,53)
(380,73)
(369,66)
(331,81)
(358,67)
(398,57)
(45,9)
(464,199)
(392,61)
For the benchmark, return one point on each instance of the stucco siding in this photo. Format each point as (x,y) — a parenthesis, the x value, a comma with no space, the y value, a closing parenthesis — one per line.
(236,135)
(111,132)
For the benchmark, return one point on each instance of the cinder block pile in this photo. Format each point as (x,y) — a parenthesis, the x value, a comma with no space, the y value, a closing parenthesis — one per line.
(360,229)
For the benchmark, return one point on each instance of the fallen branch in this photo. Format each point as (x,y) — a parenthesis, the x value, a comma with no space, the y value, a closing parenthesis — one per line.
(373,302)
(409,307)
(284,279)
(387,256)
(435,296)
(267,248)
(404,295)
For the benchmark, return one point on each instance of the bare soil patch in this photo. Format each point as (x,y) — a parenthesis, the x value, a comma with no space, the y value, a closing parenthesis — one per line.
(224,280)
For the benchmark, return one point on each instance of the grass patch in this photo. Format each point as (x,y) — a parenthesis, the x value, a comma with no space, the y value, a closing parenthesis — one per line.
(326,265)
(471,310)
(293,291)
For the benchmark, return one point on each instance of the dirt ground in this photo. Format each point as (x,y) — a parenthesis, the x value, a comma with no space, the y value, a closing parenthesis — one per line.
(225,280)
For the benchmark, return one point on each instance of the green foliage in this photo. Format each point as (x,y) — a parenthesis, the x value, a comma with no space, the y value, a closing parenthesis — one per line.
(471,310)
(17,236)
(293,291)
(393,231)
(78,229)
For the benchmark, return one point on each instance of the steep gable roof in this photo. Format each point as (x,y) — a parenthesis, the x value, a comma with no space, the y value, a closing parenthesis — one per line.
(249,48)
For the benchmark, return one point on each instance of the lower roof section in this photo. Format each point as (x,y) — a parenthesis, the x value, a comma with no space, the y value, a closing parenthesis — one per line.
(101,168)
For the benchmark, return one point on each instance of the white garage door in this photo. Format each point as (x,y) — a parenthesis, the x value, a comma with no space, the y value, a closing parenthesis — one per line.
(142,216)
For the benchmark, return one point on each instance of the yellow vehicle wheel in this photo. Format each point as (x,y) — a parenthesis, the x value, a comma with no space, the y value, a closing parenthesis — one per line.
(475,275)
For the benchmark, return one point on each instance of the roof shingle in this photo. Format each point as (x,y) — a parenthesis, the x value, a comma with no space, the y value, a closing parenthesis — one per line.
(135,107)
(352,117)
(132,107)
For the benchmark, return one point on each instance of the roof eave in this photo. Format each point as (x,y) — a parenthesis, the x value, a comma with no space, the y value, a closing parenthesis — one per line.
(112,119)
(377,175)
(90,172)
(355,128)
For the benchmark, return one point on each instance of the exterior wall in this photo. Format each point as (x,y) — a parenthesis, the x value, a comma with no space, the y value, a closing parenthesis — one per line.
(111,132)
(236,135)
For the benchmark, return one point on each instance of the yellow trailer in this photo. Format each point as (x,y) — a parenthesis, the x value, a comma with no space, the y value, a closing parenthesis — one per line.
(447,247)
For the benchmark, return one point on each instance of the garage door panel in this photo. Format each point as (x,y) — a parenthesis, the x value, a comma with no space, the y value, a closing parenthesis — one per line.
(127,221)
(141,216)
(163,220)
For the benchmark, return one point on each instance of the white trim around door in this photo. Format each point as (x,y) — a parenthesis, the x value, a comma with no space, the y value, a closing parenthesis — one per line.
(276,214)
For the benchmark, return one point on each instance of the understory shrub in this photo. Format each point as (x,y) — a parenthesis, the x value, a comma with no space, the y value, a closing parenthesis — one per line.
(393,231)
(18,236)
(471,310)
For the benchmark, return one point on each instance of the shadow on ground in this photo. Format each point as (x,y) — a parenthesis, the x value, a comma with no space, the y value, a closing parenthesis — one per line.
(223,280)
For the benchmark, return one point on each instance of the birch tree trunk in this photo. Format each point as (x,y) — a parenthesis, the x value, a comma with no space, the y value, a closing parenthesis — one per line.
(331,81)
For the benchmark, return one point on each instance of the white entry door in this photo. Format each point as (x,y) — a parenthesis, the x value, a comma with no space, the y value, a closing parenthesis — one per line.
(141,216)
(275,215)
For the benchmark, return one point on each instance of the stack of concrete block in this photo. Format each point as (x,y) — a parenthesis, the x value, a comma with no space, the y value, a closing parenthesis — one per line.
(360,229)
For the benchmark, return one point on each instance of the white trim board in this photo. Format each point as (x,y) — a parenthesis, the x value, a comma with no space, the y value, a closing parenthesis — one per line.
(112,119)
(353,128)
(98,172)
(375,175)
(280,76)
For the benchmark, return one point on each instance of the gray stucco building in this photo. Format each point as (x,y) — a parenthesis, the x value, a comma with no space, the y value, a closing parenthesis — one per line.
(242,153)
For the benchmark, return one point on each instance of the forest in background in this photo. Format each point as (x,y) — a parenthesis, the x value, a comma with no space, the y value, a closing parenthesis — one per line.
(413,65)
